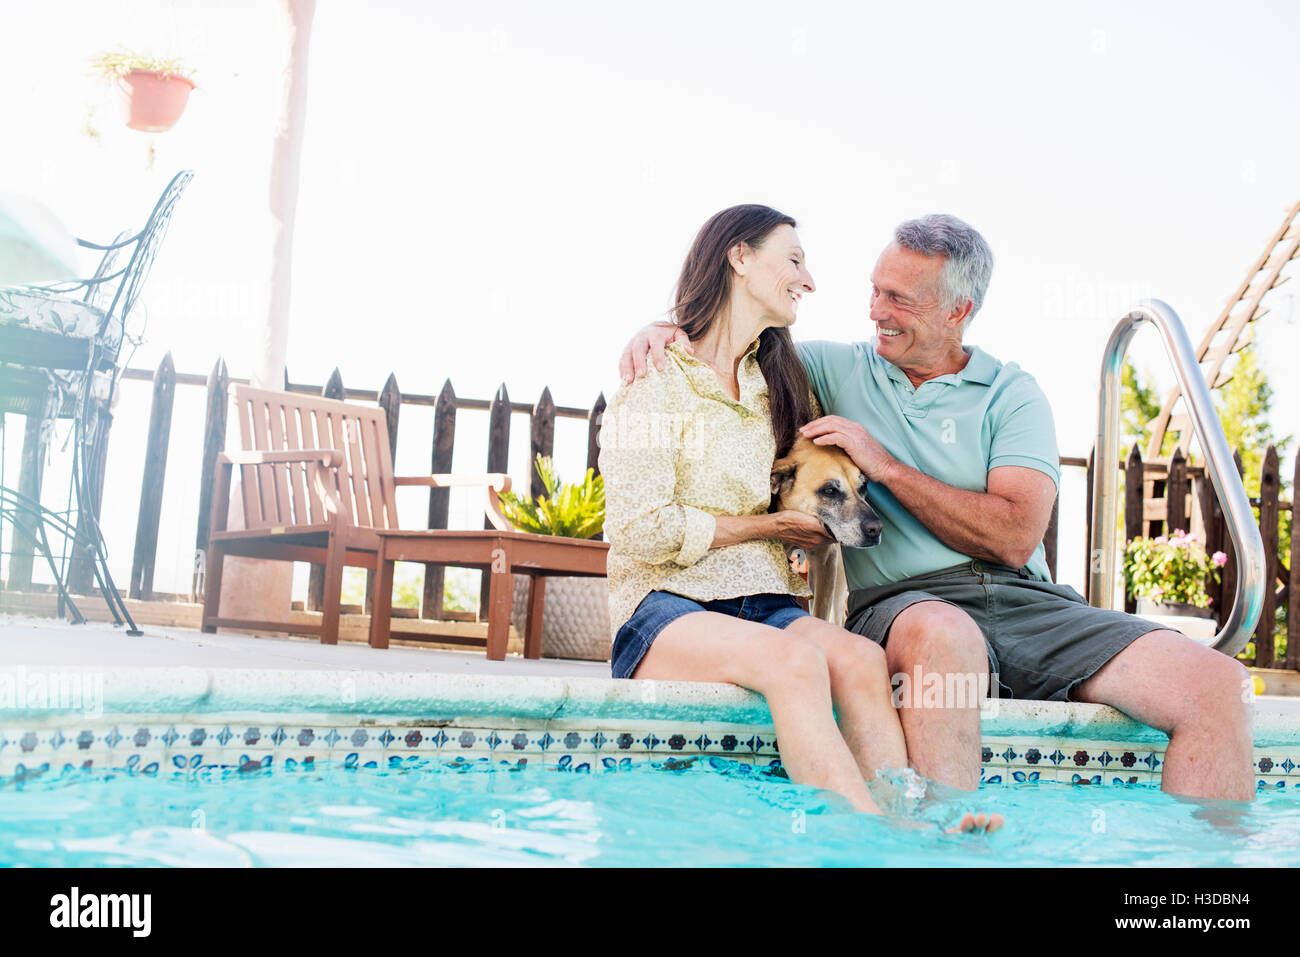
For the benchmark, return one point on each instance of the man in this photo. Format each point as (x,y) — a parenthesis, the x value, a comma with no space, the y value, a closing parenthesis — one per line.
(960,450)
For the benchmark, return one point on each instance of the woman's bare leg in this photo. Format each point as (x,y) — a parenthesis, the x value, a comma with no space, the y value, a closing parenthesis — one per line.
(788,669)
(864,703)
(861,693)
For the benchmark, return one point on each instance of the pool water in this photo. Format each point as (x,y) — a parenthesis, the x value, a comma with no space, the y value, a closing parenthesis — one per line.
(709,812)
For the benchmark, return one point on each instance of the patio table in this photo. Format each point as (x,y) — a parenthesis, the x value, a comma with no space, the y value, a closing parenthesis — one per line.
(498,553)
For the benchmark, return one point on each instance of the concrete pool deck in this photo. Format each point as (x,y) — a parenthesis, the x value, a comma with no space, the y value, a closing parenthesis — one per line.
(48,642)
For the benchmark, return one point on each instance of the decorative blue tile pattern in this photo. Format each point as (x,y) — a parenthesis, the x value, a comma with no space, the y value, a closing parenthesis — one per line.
(161,747)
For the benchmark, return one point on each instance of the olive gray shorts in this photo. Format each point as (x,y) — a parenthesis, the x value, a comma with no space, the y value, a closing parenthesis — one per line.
(1043,639)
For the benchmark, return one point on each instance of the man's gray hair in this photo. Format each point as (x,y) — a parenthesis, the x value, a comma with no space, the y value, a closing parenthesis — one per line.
(967,258)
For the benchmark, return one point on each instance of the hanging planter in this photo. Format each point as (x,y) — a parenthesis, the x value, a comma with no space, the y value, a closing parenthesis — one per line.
(153,101)
(153,92)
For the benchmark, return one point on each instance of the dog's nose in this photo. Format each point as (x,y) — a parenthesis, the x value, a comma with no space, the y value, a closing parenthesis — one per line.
(871,528)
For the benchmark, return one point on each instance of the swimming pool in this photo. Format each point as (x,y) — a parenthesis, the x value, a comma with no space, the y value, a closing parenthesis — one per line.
(223,766)
(486,812)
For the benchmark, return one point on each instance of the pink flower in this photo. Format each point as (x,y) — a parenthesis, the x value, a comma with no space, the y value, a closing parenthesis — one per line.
(1219,559)
(1161,540)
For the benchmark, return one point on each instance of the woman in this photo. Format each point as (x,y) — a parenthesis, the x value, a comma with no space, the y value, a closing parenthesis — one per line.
(700,588)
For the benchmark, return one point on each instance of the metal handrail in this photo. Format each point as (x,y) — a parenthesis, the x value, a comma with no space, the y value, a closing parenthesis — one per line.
(1251,568)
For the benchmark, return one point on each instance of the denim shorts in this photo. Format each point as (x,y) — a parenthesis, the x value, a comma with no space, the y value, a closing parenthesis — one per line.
(659,609)
(1043,639)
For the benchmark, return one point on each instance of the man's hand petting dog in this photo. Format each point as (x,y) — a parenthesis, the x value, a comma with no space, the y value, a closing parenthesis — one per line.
(867,454)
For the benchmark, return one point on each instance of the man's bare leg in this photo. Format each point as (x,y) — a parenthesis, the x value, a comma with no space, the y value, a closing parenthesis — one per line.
(1196,695)
(942,743)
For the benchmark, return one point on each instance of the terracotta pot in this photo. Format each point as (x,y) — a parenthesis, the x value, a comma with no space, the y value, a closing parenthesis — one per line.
(153,101)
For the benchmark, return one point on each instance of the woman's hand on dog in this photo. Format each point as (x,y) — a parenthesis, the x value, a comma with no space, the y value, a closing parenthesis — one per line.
(799,528)
(790,527)
(654,338)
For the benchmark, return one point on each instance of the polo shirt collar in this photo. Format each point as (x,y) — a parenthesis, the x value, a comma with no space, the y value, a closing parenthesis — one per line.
(981,368)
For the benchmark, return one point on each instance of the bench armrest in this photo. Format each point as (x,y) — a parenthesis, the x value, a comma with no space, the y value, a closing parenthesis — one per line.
(492,483)
(497,481)
(330,458)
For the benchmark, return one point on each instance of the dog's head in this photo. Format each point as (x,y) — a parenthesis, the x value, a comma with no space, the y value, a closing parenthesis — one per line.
(822,481)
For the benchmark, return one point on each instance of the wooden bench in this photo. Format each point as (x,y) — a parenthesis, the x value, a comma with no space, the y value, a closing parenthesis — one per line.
(318,486)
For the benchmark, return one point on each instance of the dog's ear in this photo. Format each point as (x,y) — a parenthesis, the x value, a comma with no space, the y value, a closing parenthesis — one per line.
(783,474)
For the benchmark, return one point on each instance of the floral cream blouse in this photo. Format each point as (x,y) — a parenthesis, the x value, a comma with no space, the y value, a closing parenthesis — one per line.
(675,450)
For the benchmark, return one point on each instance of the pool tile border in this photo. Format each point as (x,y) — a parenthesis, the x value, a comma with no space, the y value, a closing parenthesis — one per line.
(177,744)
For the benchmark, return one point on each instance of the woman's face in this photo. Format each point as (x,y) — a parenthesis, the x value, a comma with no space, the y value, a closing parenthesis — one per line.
(774,276)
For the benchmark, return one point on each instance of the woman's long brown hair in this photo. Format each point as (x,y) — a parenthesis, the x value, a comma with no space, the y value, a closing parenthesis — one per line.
(703,291)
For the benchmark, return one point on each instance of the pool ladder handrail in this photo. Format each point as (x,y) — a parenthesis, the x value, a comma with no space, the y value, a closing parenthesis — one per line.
(1249,548)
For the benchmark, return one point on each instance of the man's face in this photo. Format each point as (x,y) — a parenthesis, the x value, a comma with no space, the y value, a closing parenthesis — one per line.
(914,322)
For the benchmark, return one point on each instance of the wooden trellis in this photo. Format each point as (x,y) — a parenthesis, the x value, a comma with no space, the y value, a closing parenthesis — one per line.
(1226,334)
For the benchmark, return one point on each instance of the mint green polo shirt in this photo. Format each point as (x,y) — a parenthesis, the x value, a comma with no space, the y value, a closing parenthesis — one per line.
(954,428)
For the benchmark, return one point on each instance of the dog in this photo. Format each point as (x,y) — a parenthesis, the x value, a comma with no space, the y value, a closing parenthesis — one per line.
(822,481)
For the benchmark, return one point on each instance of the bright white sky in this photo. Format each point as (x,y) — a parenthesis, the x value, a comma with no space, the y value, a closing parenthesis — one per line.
(504,192)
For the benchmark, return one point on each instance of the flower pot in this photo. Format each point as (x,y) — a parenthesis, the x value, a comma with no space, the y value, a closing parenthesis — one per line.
(153,101)
(575,618)
(1194,622)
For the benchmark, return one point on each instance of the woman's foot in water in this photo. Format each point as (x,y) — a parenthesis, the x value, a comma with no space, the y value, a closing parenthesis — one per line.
(906,795)
(977,824)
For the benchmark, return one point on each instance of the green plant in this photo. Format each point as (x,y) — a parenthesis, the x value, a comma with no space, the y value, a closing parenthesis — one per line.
(1171,568)
(573,511)
(111,66)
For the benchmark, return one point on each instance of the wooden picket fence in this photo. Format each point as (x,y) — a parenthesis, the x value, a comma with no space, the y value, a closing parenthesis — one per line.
(446,404)
(1167,495)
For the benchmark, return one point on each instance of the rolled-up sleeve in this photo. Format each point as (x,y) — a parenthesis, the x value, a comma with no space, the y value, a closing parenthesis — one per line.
(641,439)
